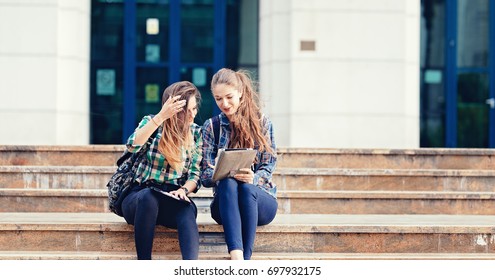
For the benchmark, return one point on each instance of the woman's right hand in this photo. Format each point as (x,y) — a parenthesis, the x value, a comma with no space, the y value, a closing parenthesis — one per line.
(171,107)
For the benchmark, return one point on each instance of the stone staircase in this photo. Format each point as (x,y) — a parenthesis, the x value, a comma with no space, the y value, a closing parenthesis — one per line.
(333,204)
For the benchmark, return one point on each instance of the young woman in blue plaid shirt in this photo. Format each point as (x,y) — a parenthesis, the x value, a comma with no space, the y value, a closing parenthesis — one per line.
(248,199)
(172,165)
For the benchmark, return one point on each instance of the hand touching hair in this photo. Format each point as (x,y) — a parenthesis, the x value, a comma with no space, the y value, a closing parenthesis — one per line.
(176,134)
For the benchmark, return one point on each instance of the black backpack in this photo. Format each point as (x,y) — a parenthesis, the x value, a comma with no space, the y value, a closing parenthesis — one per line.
(121,181)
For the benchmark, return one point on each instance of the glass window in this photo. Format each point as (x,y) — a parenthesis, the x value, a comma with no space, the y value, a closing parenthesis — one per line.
(201,78)
(432,87)
(242,35)
(432,117)
(106,89)
(195,55)
(106,104)
(472,33)
(106,30)
(472,111)
(197,38)
(150,84)
(152,16)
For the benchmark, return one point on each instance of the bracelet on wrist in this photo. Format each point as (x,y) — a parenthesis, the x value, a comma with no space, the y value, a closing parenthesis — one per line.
(185,190)
(153,120)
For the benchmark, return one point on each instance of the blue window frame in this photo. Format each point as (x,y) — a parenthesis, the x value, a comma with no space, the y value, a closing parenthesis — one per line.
(470,121)
(492,75)
(174,63)
(458,81)
(133,61)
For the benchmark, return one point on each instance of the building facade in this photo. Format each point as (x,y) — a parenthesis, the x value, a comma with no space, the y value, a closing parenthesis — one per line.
(44,72)
(342,73)
(332,73)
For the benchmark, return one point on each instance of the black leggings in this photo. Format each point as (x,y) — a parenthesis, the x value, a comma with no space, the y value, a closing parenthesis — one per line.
(145,208)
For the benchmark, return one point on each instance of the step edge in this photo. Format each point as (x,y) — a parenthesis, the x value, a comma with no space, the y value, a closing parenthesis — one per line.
(281,194)
(96,255)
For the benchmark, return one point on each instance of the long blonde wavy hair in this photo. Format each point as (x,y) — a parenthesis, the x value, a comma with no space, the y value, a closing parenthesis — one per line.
(246,122)
(176,133)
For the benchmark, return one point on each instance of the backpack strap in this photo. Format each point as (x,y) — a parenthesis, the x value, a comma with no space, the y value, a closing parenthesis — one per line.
(128,154)
(216,129)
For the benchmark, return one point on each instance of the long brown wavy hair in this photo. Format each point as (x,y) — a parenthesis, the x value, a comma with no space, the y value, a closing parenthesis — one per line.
(176,134)
(246,122)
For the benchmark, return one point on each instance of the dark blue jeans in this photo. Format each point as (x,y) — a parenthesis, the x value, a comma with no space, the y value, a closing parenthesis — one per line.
(145,208)
(240,208)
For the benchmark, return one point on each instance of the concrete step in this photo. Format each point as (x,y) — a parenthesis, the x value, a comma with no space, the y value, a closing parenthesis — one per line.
(423,158)
(94,177)
(106,155)
(342,234)
(55,177)
(384,179)
(89,155)
(386,202)
(98,255)
(290,202)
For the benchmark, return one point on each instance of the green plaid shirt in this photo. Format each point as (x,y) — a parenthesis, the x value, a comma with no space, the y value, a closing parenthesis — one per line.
(156,168)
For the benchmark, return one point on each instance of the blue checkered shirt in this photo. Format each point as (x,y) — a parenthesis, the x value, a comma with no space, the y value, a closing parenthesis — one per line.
(264,166)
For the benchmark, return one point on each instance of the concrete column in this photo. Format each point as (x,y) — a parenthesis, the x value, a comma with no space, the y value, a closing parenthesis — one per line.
(275,75)
(44,71)
(341,73)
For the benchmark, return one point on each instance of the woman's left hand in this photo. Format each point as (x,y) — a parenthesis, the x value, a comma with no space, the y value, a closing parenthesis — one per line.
(245,175)
(181,193)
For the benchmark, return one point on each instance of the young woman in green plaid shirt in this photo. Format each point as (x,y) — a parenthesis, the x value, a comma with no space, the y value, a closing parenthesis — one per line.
(172,165)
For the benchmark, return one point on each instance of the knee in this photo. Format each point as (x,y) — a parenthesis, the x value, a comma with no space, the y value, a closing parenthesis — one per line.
(189,212)
(146,199)
(187,216)
(227,187)
(247,195)
(227,183)
(247,191)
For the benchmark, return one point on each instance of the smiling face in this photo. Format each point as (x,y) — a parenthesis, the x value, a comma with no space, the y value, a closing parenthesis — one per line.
(227,98)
